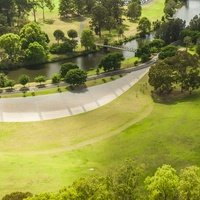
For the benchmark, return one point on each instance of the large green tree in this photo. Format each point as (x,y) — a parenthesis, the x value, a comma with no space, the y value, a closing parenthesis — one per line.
(111,61)
(189,185)
(99,18)
(144,26)
(32,32)
(134,10)
(163,185)
(76,77)
(87,40)
(169,31)
(35,53)
(45,4)
(10,42)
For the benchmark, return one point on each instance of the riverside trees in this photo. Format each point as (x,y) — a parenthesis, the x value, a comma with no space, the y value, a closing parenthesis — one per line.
(30,46)
(105,14)
(181,70)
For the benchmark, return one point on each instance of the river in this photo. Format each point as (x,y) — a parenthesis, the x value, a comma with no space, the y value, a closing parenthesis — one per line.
(91,61)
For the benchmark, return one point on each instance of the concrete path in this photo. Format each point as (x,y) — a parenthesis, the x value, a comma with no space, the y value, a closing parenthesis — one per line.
(60,105)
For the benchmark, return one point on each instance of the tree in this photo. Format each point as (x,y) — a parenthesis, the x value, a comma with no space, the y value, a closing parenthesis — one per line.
(98,19)
(24,79)
(10,83)
(161,77)
(120,32)
(134,10)
(66,8)
(35,53)
(17,196)
(40,79)
(169,31)
(31,33)
(189,185)
(195,23)
(126,181)
(187,41)
(170,8)
(56,79)
(115,9)
(79,7)
(185,67)
(45,4)
(76,77)
(66,46)
(157,43)
(3,80)
(34,6)
(163,185)
(191,79)
(72,33)
(10,42)
(111,61)
(144,26)
(198,48)
(168,51)
(87,40)
(59,35)
(89,4)
(144,53)
(67,67)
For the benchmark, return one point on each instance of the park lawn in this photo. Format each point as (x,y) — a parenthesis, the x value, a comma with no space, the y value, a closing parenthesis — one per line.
(45,156)
(152,10)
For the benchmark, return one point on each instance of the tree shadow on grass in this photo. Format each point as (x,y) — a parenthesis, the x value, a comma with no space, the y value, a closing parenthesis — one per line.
(78,89)
(176,97)
(73,19)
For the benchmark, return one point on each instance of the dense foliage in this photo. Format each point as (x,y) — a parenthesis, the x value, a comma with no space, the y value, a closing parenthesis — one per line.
(111,61)
(179,71)
(128,182)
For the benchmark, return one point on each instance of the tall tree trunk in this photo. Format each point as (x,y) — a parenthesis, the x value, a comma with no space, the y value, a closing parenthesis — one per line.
(43,14)
(34,14)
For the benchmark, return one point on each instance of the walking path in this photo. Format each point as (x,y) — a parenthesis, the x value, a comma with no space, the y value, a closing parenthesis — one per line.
(60,105)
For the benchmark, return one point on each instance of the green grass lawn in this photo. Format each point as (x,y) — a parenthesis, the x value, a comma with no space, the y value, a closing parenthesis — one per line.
(45,156)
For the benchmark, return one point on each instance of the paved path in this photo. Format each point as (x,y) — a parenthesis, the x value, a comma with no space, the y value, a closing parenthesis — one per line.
(66,104)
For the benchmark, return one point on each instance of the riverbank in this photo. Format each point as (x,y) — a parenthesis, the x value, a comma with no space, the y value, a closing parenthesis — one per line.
(34,89)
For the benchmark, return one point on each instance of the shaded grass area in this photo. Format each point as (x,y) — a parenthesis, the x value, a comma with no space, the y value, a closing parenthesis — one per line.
(31,155)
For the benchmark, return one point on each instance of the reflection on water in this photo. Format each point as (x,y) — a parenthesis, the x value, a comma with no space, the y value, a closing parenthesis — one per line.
(186,13)
(84,62)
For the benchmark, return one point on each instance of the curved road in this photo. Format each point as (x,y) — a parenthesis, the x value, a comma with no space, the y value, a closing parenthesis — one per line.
(60,105)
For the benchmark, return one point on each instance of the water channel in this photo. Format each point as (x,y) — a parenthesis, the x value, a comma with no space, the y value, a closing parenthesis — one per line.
(186,13)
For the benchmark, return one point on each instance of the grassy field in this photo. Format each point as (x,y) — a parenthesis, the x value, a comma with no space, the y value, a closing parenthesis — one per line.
(46,156)
(153,11)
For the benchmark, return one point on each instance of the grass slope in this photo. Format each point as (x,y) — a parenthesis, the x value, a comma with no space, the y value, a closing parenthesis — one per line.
(34,156)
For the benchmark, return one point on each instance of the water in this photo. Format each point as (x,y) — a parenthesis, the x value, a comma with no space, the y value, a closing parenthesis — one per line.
(84,62)
(186,13)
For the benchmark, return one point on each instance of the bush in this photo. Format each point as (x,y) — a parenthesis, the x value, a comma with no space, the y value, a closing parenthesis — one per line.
(55,79)
(76,77)
(65,47)
(66,67)
(168,51)
(17,196)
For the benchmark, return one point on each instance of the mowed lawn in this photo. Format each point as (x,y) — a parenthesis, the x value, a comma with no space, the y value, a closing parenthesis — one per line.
(152,10)
(45,156)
